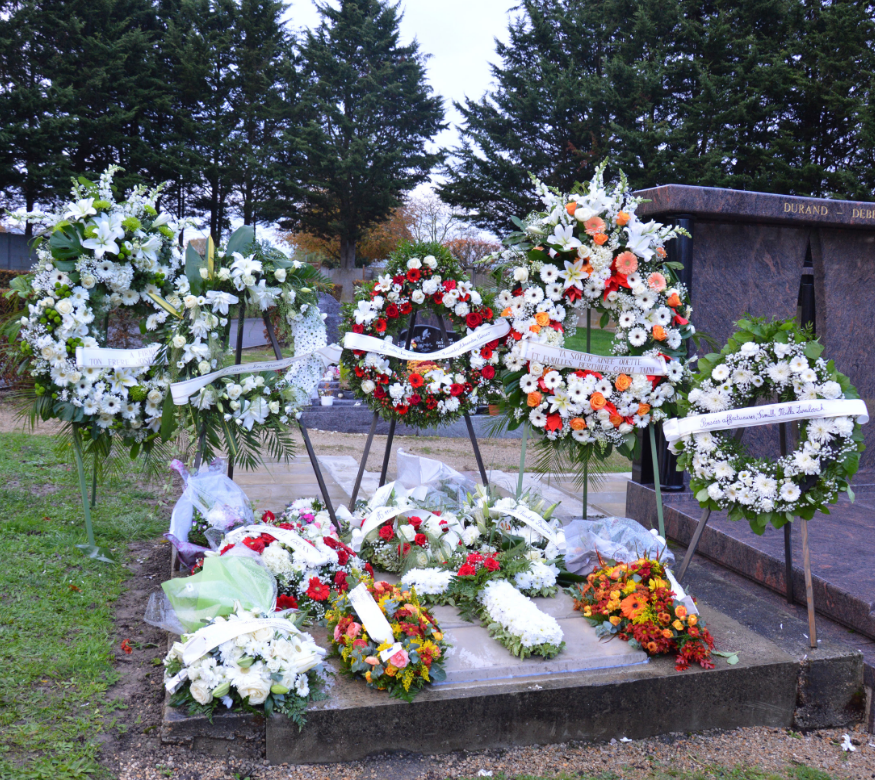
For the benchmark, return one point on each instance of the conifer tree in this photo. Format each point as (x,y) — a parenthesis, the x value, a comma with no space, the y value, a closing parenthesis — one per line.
(367,115)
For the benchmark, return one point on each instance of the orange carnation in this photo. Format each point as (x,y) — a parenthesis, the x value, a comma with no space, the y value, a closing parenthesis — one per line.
(622,218)
(659,333)
(542,318)
(534,399)
(643,409)
(571,208)
(616,420)
(594,226)
(597,401)
(599,239)
(577,423)
(623,382)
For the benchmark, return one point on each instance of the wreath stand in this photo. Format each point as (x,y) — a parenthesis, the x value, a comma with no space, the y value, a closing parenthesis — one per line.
(238,356)
(788,550)
(383,471)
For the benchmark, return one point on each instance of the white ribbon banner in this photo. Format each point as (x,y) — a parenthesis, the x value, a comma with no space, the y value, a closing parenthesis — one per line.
(608,364)
(210,637)
(308,552)
(533,521)
(381,515)
(769,414)
(483,335)
(681,594)
(99,357)
(373,619)
(182,391)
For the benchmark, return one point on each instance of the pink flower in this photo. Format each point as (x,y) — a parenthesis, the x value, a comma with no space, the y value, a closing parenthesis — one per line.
(400,659)
(337,633)
(353,630)
(626,263)
(656,282)
(372,660)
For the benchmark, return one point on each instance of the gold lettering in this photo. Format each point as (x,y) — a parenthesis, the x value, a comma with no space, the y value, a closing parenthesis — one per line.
(787,207)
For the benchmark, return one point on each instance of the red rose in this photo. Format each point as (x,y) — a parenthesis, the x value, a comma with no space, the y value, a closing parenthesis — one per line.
(473,320)
(416,380)
(450,284)
(379,392)
(370,570)
(358,328)
(398,279)
(415,522)
(474,558)
(380,325)
(317,590)
(491,564)
(467,571)
(387,532)
(415,399)
(413,275)
(268,517)
(493,344)
(457,389)
(420,539)
(285,602)
(488,372)
(340,582)
(392,311)
(286,526)
(406,307)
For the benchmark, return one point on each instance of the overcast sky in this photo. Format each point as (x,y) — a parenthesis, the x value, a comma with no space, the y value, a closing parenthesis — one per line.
(458,34)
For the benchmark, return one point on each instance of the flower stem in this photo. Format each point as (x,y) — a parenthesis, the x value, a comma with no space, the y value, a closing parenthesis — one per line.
(519,487)
(83,488)
(656,484)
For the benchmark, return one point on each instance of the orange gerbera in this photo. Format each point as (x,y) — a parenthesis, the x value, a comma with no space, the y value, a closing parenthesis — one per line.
(534,399)
(594,226)
(577,423)
(542,318)
(597,401)
(507,312)
(632,606)
(622,383)
(659,333)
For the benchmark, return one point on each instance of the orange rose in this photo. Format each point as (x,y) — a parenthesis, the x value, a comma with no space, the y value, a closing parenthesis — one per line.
(599,239)
(674,301)
(666,633)
(542,318)
(507,312)
(392,671)
(597,401)
(661,252)
(659,333)
(622,218)
(681,612)
(571,208)
(535,328)
(577,423)
(616,420)
(643,409)
(534,399)
(623,382)
(693,619)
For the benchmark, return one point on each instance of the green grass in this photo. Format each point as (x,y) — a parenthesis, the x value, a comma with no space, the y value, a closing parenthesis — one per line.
(56,610)
(600,341)
(709,772)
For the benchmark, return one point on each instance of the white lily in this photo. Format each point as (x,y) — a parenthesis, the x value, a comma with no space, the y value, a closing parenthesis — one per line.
(80,209)
(364,313)
(103,242)
(219,301)
(563,238)
(641,235)
(574,275)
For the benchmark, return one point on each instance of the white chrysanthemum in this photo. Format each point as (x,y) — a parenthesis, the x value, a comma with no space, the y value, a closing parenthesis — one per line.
(720,373)
(790,492)
(780,372)
(798,364)
(722,470)
(765,486)
(806,463)
(831,390)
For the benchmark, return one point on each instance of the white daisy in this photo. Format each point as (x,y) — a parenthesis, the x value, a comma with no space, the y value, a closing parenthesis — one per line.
(637,336)
(537,418)
(790,492)
(528,383)
(549,273)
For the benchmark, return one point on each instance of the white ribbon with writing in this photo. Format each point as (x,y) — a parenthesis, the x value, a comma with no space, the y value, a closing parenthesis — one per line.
(312,555)
(483,335)
(373,619)
(533,521)
(182,391)
(381,515)
(609,364)
(210,637)
(99,357)
(751,416)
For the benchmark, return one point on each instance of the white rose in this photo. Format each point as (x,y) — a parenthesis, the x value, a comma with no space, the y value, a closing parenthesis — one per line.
(414,263)
(259,381)
(417,296)
(253,688)
(520,274)
(154,396)
(179,342)
(64,306)
(235,405)
(203,272)
(48,352)
(368,386)
(203,367)
(280,275)
(201,692)
(224,274)
(408,532)
(430,261)
(190,301)
(87,281)
(274,407)
(234,391)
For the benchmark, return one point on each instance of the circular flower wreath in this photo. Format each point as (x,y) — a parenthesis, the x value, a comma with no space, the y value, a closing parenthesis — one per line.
(588,250)
(421,278)
(241,410)
(97,257)
(762,360)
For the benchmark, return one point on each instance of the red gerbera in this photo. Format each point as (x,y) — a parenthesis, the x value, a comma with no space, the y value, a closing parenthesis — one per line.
(416,380)
(438,298)
(286,602)
(318,591)
(403,409)
(406,307)
(380,325)
(486,353)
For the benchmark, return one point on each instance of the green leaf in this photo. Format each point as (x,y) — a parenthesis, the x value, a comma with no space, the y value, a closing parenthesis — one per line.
(164,305)
(168,417)
(813,350)
(193,264)
(241,239)
(65,243)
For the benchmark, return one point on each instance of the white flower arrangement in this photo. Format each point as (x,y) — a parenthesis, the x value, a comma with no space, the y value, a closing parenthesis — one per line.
(270,666)
(428,582)
(515,621)
(761,360)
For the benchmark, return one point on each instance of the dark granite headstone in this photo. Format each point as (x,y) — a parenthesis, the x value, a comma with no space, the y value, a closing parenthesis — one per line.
(330,306)
(746,256)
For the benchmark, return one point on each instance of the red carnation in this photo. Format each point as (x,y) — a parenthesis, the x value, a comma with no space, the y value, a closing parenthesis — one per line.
(488,372)
(491,564)
(285,602)
(450,284)
(268,517)
(340,582)
(416,380)
(420,539)
(359,371)
(392,311)
(467,570)
(406,307)
(457,389)
(317,590)
(370,570)
(380,325)
(387,532)
(474,558)
(413,275)
(473,320)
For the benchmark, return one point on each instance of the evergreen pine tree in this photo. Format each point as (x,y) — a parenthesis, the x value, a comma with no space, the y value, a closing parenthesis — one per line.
(367,116)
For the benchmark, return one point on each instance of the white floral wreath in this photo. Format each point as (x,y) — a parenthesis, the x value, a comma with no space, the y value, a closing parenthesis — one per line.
(761,360)
(97,255)
(588,250)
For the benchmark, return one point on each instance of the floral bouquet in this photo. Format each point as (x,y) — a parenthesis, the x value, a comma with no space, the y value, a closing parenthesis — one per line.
(635,602)
(418,650)
(261,661)
(303,513)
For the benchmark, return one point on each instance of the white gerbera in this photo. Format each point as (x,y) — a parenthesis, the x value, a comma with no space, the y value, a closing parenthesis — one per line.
(537,418)
(552,380)
(790,492)
(720,373)
(549,273)
(528,383)
(637,336)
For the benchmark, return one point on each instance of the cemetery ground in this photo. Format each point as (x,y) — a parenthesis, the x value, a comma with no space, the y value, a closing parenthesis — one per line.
(82,693)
